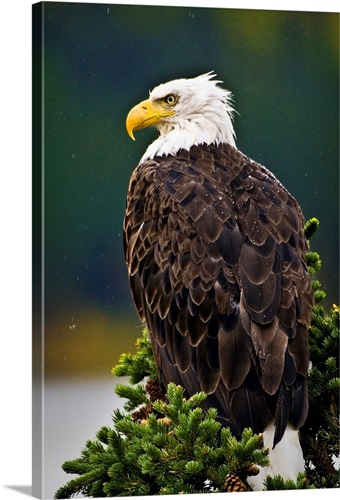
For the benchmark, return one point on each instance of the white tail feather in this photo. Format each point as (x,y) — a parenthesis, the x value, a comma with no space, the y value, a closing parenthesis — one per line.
(286,459)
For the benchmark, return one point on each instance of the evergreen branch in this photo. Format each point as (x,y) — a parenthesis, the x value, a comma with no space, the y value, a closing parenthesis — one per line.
(311,227)
(137,366)
(135,395)
(278,483)
(320,434)
(174,450)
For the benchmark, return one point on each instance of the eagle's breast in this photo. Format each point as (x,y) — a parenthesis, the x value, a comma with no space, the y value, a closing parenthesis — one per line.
(215,252)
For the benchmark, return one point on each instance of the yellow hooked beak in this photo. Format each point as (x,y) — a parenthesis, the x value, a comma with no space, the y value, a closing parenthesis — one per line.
(146,113)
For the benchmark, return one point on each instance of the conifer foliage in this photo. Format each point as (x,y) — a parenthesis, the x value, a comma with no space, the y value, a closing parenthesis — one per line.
(176,449)
(166,444)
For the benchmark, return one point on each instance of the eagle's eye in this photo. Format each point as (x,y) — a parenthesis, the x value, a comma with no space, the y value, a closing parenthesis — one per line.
(170,99)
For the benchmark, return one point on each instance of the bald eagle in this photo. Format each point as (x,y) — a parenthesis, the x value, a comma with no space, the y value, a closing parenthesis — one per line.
(215,252)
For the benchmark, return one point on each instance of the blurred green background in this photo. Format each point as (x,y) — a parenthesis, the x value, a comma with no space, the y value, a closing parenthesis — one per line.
(99,61)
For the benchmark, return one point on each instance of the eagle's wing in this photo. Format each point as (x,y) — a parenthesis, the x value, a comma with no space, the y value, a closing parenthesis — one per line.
(215,252)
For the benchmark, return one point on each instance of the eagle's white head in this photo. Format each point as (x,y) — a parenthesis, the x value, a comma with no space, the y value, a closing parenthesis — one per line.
(186,112)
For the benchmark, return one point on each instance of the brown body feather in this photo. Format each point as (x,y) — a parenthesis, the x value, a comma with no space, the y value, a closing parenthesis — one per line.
(215,252)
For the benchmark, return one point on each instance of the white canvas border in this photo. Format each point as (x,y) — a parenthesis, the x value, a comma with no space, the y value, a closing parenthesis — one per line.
(15,245)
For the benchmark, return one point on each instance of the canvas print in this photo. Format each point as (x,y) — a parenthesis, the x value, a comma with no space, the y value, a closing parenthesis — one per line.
(185,250)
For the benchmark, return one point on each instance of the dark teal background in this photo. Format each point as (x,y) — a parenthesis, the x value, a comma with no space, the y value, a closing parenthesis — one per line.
(99,61)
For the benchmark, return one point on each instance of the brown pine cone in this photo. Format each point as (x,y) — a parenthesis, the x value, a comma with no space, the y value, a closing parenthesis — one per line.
(251,470)
(233,483)
(154,390)
(141,414)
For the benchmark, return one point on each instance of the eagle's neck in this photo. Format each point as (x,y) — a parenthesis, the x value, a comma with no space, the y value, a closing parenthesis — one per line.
(214,127)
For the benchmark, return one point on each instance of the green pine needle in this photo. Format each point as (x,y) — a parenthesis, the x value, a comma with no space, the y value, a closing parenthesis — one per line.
(278,483)
(311,227)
